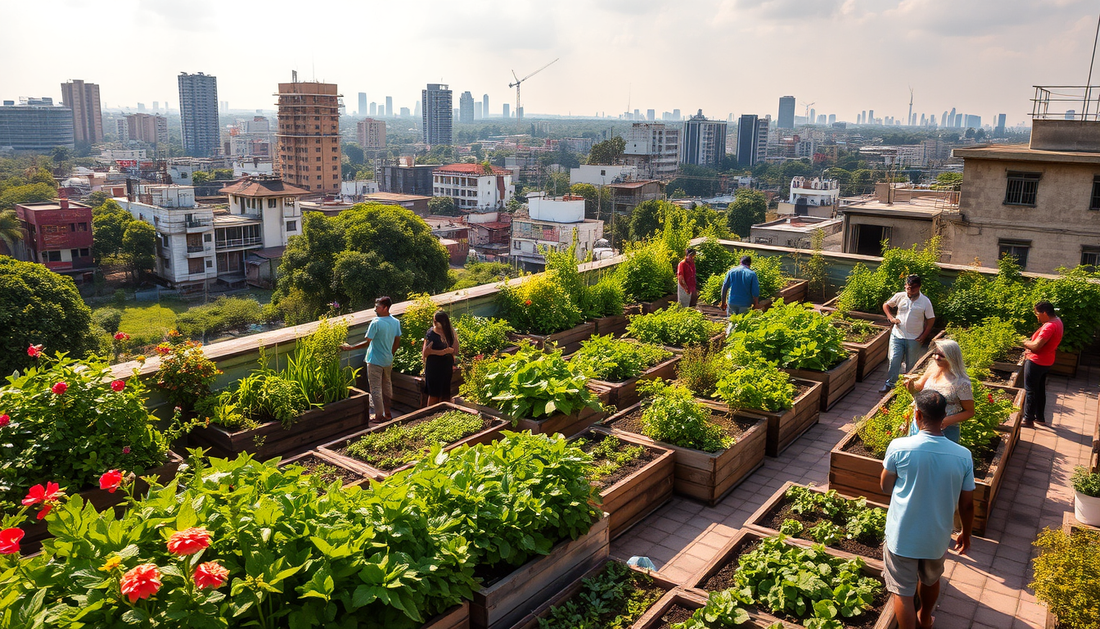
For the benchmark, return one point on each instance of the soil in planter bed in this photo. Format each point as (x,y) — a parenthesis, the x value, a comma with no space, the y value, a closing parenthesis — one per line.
(782,511)
(724,579)
(996,376)
(1014,355)
(592,439)
(675,615)
(327,471)
(981,467)
(733,426)
(410,447)
(638,593)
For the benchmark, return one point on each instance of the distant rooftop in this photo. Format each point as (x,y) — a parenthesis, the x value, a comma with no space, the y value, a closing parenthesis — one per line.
(471,169)
(262,186)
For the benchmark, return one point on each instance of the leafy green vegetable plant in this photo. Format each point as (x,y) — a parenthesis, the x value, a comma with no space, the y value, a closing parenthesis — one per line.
(723,609)
(755,383)
(1088,483)
(790,527)
(984,344)
(613,599)
(866,291)
(530,384)
(540,305)
(825,533)
(794,336)
(842,518)
(481,336)
(674,416)
(675,326)
(614,360)
(405,443)
(646,273)
(609,455)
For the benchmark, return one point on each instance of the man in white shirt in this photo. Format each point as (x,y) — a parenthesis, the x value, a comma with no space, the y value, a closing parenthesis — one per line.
(912,327)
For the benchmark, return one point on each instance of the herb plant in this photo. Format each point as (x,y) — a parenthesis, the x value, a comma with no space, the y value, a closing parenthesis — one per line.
(613,599)
(856,330)
(673,416)
(609,455)
(1088,483)
(1067,576)
(675,326)
(646,273)
(615,360)
(530,384)
(404,443)
(700,370)
(481,336)
(794,336)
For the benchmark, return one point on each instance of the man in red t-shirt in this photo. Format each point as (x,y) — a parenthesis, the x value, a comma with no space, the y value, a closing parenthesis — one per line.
(1038,359)
(687,293)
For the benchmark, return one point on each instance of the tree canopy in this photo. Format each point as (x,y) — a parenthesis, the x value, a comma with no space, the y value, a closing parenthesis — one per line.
(442,206)
(139,244)
(607,152)
(651,217)
(748,208)
(109,223)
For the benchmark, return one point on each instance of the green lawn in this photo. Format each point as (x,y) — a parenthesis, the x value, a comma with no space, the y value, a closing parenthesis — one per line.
(150,320)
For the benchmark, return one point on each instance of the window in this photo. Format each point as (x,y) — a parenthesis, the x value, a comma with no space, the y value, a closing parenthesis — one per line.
(292,226)
(1015,248)
(209,264)
(84,253)
(1021,188)
(51,256)
(271,203)
(515,245)
(1094,203)
(205,237)
(72,227)
(1090,257)
(74,254)
(81,227)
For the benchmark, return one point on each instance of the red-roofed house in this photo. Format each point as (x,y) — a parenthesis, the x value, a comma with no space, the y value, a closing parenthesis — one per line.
(474,187)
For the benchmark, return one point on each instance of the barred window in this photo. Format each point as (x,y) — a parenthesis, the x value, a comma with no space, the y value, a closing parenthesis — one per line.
(1022,188)
(1090,257)
(1015,248)
(1094,203)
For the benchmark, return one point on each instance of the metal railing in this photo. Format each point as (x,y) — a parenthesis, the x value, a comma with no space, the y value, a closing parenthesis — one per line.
(1066,102)
(194,248)
(199,223)
(238,242)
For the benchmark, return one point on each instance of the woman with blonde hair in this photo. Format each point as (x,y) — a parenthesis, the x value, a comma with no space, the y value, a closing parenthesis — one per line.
(946,375)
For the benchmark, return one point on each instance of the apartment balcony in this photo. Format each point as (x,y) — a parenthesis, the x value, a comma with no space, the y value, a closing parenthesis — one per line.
(238,243)
(198,251)
(198,226)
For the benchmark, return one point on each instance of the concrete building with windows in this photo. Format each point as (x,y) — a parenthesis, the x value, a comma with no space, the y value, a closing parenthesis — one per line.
(653,149)
(36,125)
(58,234)
(552,222)
(811,197)
(309,136)
(752,140)
(407,179)
(473,187)
(704,141)
(437,117)
(466,108)
(786,112)
(83,99)
(150,129)
(252,138)
(904,216)
(185,233)
(602,174)
(371,134)
(199,114)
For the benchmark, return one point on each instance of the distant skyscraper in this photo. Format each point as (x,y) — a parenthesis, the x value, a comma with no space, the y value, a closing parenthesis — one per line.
(951,118)
(786,112)
(466,108)
(870,116)
(832,118)
(416,109)
(973,122)
(676,114)
(812,117)
(821,118)
(1000,130)
(943,119)
(374,109)
(199,114)
(506,112)
(650,115)
(389,106)
(862,117)
(405,113)
(309,135)
(703,141)
(362,111)
(156,105)
(83,99)
(485,105)
(36,125)
(749,146)
(958,121)
(436,114)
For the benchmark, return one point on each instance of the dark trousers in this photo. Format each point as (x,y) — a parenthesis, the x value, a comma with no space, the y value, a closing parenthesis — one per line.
(1035,384)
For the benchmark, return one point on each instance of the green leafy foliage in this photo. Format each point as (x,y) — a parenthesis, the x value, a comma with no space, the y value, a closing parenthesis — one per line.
(481,336)
(794,336)
(540,305)
(613,599)
(478,273)
(855,330)
(530,384)
(982,345)
(1086,482)
(851,519)
(647,272)
(1067,576)
(672,415)
(790,527)
(415,323)
(712,259)
(974,297)
(404,443)
(825,532)
(1076,299)
(614,360)
(224,313)
(865,291)
(769,272)
(723,609)
(606,297)
(755,383)
(185,373)
(609,455)
(700,370)
(675,326)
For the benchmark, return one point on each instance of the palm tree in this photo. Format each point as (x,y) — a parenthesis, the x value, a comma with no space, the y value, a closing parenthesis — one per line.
(11,229)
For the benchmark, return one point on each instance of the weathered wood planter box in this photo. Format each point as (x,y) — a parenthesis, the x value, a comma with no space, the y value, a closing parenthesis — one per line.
(642,492)
(647,307)
(457,617)
(784,427)
(709,476)
(1065,364)
(870,354)
(692,600)
(624,393)
(270,439)
(300,459)
(793,292)
(835,383)
(567,425)
(35,530)
(877,317)
(1013,366)
(334,450)
(757,523)
(568,341)
(505,602)
(858,475)
(614,325)
(408,390)
(746,537)
(531,621)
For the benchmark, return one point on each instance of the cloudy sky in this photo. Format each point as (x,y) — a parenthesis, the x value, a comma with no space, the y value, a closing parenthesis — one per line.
(723,56)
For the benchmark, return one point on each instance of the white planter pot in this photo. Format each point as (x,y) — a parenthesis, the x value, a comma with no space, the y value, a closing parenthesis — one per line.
(1086,509)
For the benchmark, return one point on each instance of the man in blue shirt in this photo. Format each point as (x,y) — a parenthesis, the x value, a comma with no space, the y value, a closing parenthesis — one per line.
(742,287)
(383,339)
(927,476)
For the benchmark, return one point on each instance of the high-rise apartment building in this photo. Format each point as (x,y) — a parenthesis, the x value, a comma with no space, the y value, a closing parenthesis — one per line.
(485,105)
(373,108)
(832,118)
(752,139)
(83,99)
(506,111)
(786,112)
(704,141)
(466,108)
(371,133)
(362,111)
(478,114)
(389,106)
(151,129)
(650,115)
(870,116)
(309,135)
(35,124)
(199,114)
(436,114)
(653,149)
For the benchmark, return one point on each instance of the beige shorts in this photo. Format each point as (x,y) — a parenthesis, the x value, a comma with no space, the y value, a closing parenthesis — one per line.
(903,573)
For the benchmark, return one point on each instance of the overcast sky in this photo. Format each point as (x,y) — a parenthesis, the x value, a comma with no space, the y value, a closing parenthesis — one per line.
(727,56)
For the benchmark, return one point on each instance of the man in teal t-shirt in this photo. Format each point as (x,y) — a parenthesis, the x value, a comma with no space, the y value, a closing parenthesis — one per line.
(383,339)
(927,476)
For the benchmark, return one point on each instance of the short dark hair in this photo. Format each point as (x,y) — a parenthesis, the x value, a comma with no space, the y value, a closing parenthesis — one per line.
(384,300)
(1045,307)
(689,251)
(932,405)
(912,280)
(746,260)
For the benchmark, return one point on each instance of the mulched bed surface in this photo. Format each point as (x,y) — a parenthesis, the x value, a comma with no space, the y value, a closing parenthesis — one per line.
(312,462)
(734,427)
(414,448)
(675,614)
(724,579)
(592,439)
(996,376)
(782,511)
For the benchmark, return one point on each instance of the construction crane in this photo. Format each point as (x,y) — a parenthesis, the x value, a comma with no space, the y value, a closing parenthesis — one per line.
(808,105)
(519,108)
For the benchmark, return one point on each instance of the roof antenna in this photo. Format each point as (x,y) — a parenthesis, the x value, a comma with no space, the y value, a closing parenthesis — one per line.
(1088,84)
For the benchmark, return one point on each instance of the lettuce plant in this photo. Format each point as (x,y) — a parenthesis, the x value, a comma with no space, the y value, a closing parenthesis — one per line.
(795,336)
(675,326)
(530,384)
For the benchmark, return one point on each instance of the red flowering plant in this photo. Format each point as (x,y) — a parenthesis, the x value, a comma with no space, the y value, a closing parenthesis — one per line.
(540,305)
(889,422)
(67,420)
(185,374)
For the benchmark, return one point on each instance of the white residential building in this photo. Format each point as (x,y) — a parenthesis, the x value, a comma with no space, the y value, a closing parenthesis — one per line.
(264,212)
(474,187)
(185,252)
(602,174)
(812,197)
(654,149)
(551,222)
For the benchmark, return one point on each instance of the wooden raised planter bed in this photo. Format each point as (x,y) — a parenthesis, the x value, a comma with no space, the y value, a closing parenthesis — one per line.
(334,450)
(35,530)
(647,307)
(879,317)
(321,457)
(505,602)
(642,492)
(793,292)
(567,425)
(270,439)
(835,383)
(858,475)
(757,523)
(457,617)
(614,325)
(624,393)
(1065,363)
(870,354)
(746,537)
(531,621)
(707,476)
(1015,367)
(568,341)
(784,427)
(691,600)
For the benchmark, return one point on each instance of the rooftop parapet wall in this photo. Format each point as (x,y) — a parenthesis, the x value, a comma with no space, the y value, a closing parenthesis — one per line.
(1065,135)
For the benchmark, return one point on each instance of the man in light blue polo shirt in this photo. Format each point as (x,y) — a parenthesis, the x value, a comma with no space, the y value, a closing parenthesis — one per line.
(927,476)
(383,339)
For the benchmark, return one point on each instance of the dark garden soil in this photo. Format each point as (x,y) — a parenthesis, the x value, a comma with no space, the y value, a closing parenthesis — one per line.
(782,511)
(996,376)
(732,425)
(409,447)
(327,471)
(592,439)
(981,466)
(673,616)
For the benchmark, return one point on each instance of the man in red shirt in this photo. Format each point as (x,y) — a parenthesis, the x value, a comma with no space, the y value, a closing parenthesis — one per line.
(687,293)
(1038,359)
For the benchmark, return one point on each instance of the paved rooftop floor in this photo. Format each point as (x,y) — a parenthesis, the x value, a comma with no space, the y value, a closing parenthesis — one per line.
(986,589)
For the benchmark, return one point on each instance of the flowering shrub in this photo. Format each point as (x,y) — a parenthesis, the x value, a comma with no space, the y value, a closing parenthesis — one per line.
(66,422)
(675,326)
(539,305)
(185,373)
(795,336)
(529,384)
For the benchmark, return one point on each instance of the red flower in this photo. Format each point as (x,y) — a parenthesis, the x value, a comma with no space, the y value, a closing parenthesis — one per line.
(991,398)
(118,385)
(163,349)
(59,388)
(34,351)
(4,420)
(882,409)
(188,541)
(110,481)
(9,541)
(126,449)
(122,336)
(210,575)
(39,494)
(141,582)
(527,303)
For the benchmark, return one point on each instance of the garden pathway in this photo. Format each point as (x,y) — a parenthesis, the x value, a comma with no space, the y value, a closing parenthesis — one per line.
(987,589)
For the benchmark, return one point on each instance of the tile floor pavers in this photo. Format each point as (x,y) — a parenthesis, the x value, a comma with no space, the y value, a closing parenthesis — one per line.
(985,589)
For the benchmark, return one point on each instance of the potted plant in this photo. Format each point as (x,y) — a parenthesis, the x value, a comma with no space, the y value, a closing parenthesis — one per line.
(1086,496)
(675,327)
(1067,576)
(272,412)
(614,367)
(541,309)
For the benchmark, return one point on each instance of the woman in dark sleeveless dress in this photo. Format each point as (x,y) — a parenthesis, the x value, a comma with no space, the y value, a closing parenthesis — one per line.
(440,347)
